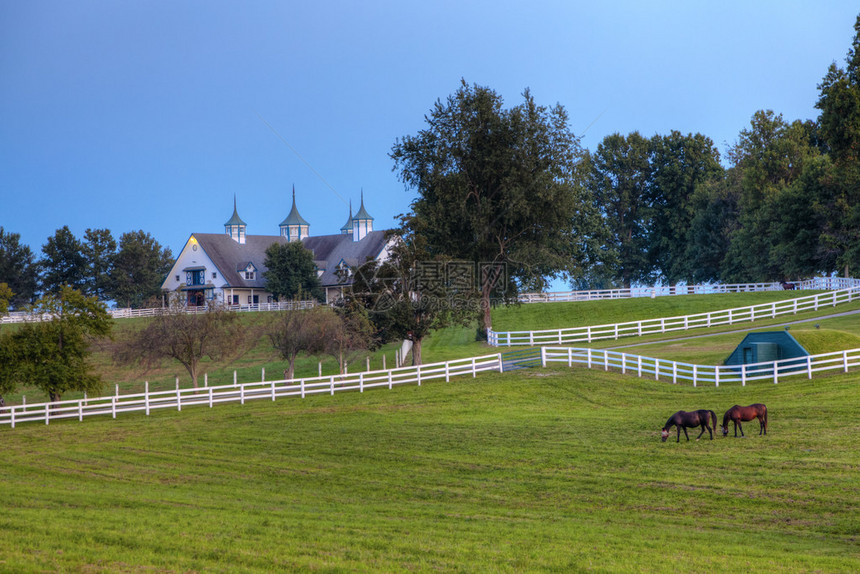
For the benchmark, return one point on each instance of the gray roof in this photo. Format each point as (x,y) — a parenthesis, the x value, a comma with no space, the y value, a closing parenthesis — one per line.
(231,257)
(330,250)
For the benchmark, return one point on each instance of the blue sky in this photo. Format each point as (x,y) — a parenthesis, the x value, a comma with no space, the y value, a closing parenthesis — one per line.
(153,114)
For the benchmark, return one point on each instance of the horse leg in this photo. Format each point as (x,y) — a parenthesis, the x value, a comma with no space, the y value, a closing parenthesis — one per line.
(740,426)
(701,433)
(761,427)
(685,434)
(678,428)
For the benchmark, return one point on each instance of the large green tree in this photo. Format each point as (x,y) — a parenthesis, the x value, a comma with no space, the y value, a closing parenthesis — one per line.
(770,156)
(839,102)
(619,172)
(99,250)
(63,262)
(413,293)
(291,272)
(679,165)
(497,187)
(139,268)
(52,352)
(18,269)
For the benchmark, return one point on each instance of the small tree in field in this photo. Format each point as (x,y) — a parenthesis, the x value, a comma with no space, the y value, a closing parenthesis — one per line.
(348,332)
(186,337)
(294,332)
(52,353)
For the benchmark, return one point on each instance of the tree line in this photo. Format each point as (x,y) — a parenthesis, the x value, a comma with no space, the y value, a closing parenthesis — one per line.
(129,271)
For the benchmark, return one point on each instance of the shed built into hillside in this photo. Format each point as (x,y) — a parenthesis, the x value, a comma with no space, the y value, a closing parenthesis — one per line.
(766,347)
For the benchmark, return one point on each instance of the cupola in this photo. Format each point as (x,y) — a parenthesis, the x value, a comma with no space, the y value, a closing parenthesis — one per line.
(294,227)
(347,227)
(362,222)
(235,227)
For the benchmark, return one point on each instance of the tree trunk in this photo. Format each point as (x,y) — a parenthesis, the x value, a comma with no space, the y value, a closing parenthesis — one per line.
(416,352)
(485,307)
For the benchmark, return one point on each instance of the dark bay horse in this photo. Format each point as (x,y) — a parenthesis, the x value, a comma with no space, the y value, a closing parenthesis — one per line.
(684,420)
(737,413)
(788,286)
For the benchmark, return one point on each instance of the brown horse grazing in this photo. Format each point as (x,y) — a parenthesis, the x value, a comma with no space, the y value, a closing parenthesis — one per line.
(684,420)
(737,413)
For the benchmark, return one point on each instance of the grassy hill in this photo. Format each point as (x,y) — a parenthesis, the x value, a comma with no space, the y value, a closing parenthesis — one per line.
(541,470)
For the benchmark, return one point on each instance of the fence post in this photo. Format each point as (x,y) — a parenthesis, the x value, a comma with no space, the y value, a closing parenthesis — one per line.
(178,396)
(234,378)
(332,385)
(112,408)
(418,370)
(302,383)
(674,372)
(717,375)
(656,369)
(263,375)
(694,375)
(80,410)
(361,382)
(242,395)
(273,390)
(391,379)
(743,375)
(809,365)
(543,357)
(605,360)
(447,372)
(383,362)
(210,397)
(501,365)
(368,363)
(775,373)
(639,365)
(205,379)
(146,396)
(319,368)
(13,417)
(570,356)
(845,360)
(588,357)
(474,372)
(623,363)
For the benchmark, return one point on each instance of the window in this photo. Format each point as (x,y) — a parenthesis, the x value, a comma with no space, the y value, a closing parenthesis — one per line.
(235,299)
(214,275)
(177,278)
(249,274)
(195,277)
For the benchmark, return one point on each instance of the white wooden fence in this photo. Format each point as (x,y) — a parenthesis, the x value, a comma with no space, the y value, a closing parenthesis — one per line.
(23,317)
(669,324)
(240,393)
(818,283)
(716,375)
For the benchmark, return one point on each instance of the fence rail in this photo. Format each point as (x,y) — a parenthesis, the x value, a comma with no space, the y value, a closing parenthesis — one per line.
(701,374)
(817,283)
(668,324)
(23,316)
(240,393)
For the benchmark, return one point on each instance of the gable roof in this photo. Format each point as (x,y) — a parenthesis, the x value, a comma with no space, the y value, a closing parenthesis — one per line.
(331,249)
(231,257)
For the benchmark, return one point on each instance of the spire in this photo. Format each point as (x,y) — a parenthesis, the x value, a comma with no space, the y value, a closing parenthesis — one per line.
(362,222)
(294,227)
(235,227)
(347,227)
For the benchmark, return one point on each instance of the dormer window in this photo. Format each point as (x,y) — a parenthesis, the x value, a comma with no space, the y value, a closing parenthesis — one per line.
(248,272)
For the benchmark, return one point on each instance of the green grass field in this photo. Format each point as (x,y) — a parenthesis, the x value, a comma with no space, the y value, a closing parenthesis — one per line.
(554,470)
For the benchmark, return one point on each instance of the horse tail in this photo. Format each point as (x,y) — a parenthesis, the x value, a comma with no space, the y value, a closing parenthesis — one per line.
(765,417)
(714,419)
